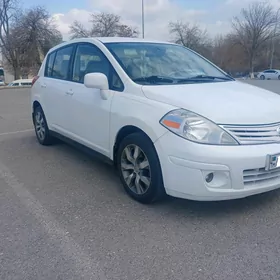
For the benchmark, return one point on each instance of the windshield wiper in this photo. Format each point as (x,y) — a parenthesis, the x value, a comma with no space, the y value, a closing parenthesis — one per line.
(204,78)
(154,79)
(226,78)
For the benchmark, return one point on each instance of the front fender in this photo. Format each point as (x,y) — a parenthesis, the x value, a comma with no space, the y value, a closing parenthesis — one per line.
(142,114)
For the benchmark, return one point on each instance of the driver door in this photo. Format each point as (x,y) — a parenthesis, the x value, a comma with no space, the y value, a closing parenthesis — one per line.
(90,114)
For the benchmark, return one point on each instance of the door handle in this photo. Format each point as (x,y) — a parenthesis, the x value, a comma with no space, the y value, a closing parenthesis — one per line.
(43,85)
(69,92)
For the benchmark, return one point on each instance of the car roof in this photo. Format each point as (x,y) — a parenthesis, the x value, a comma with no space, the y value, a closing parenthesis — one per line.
(105,40)
(127,40)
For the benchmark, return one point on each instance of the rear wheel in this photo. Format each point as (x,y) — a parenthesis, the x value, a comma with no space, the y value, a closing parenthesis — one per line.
(139,168)
(41,127)
(279,77)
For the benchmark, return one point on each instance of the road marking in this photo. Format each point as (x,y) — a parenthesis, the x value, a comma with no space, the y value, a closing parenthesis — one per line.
(86,266)
(16,132)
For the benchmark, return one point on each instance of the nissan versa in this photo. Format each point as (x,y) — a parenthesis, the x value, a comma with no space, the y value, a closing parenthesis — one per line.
(171,121)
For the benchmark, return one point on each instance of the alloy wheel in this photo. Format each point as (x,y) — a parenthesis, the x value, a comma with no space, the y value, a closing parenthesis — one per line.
(40,125)
(135,168)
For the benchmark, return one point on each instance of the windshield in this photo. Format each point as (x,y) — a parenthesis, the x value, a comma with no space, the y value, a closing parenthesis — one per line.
(158,63)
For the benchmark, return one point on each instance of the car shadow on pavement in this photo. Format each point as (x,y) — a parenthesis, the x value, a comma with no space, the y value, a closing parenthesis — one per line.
(211,208)
(172,205)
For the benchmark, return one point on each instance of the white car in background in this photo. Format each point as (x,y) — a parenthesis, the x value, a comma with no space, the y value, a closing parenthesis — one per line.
(270,74)
(21,83)
(171,121)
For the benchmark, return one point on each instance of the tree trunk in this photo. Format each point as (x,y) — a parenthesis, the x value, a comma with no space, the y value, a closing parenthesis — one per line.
(251,66)
(16,73)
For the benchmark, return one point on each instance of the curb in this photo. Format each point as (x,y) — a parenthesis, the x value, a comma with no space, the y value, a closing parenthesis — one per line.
(19,87)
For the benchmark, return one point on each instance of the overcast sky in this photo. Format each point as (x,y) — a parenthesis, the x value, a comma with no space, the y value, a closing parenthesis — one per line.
(215,15)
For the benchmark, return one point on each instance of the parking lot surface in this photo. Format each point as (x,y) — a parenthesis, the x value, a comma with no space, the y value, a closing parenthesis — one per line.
(64,215)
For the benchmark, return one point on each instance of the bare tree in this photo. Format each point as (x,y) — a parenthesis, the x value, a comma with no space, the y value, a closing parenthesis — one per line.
(79,31)
(253,28)
(37,34)
(191,36)
(9,44)
(228,54)
(103,25)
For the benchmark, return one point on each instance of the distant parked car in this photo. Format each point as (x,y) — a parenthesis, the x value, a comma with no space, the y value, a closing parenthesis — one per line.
(2,83)
(20,83)
(270,74)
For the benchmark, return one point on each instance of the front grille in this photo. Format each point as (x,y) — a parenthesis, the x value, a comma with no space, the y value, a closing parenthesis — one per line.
(252,177)
(254,134)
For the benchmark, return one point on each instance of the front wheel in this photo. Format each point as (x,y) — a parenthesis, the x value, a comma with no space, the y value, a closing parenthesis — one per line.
(262,77)
(279,77)
(139,168)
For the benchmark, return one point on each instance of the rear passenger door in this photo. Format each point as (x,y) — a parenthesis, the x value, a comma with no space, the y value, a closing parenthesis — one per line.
(274,75)
(55,88)
(269,74)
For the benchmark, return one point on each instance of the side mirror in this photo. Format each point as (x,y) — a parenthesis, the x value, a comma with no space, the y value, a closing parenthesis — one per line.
(96,80)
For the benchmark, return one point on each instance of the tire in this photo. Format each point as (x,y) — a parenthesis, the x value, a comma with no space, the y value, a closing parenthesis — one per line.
(279,77)
(41,127)
(262,77)
(146,184)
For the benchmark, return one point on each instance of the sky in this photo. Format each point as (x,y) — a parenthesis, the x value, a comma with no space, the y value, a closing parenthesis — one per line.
(215,15)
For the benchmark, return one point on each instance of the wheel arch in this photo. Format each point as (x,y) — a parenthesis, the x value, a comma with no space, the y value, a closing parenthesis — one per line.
(124,132)
(35,105)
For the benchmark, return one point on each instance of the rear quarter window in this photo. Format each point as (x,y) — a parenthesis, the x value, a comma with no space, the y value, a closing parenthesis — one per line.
(62,62)
(49,64)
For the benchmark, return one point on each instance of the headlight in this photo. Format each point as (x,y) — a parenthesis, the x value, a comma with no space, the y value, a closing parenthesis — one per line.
(195,128)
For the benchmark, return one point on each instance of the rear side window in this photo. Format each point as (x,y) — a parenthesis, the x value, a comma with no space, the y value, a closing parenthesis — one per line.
(61,63)
(58,63)
(49,65)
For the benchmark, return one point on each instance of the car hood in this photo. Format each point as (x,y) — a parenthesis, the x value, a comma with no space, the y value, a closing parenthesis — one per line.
(222,102)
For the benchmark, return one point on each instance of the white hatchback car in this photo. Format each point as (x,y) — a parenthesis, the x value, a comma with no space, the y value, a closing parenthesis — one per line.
(171,121)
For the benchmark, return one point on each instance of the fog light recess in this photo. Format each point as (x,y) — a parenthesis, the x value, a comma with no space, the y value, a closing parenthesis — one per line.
(209,177)
(217,179)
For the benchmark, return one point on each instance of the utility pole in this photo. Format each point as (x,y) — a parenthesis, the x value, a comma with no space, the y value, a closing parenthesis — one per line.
(273,40)
(143,20)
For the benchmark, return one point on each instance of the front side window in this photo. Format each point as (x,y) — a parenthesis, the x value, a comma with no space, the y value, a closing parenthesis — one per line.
(89,59)
(159,63)
(61,63)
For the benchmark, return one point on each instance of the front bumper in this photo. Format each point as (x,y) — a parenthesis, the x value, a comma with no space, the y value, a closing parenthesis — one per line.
(238,171)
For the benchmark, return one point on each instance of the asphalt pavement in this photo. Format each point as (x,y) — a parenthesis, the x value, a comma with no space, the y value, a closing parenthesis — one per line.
(64,215)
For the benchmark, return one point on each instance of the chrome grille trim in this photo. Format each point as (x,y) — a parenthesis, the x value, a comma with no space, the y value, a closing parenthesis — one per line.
(252,177)
(254,134)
